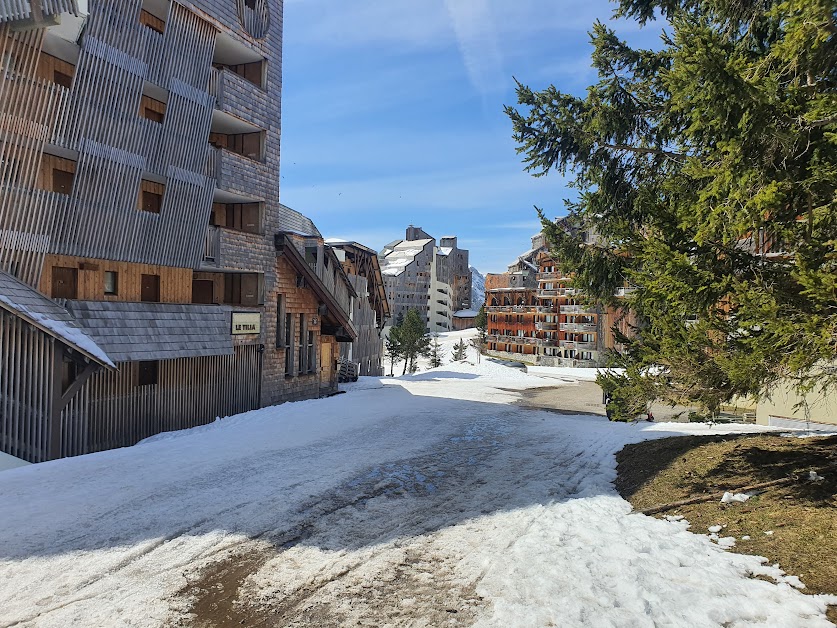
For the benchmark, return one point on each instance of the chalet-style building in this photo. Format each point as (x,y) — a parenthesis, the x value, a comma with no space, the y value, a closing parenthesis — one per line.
(435,280)
(150,280)
(371,307)
(536,316)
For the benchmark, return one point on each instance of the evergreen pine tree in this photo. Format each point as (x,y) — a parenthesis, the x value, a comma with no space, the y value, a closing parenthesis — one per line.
(414,339)
(435,352)
(707,178)
(460,350)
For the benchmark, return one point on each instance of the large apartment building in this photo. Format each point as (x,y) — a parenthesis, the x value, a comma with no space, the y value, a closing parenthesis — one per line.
(433,279)
(149,277)
(535,315)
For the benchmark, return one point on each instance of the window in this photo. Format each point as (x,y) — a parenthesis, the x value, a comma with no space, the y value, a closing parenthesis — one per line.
(246,144)
(280,320)
(151,109)
(242,289)
(152,21)
(151,196)
(303,354)
(289,348)
(150,288)
(64,282)
(111,282)
(62,79)
(239,216)
(62,181)
(312,353)
(203,291)
(147,373)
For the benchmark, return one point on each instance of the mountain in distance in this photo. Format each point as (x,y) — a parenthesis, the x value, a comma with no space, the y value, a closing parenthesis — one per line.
(477,289)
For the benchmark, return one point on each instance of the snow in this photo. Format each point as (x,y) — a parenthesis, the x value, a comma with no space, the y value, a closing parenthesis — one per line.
(477,288)
(813,476)
(466,313)
(729,498)
(386,505)
(64,330)
(10,462)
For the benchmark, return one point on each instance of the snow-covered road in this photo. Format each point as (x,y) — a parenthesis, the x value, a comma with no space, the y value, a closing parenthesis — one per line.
(426,501)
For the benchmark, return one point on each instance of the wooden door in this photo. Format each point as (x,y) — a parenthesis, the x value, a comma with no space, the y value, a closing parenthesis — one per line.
(150,288)
(326,363)
(64,283)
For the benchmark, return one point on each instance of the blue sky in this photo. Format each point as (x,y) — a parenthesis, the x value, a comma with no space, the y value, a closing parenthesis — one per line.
(393,115)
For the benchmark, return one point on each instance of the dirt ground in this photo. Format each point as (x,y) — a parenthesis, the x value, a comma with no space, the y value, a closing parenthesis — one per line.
(794,525)
(586,398)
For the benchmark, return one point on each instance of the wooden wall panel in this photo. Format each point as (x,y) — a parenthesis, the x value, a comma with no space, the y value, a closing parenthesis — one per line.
(26,363)
(49,65)
(175,283)
(189,392)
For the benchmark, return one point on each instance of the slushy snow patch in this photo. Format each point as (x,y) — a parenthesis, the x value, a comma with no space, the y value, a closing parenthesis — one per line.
(437,490)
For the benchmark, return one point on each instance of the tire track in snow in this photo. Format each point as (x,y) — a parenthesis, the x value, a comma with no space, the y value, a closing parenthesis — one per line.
(459,468)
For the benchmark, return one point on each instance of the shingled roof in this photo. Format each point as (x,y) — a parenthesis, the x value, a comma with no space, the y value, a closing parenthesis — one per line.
(155,331)
(36,309)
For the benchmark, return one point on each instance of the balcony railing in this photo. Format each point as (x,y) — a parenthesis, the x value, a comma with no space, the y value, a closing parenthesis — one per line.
(578,346)
(572,362)
(623,292)
(581,327)
(511,340)
(510,308)
(573,309)
(546,326)
(212,245)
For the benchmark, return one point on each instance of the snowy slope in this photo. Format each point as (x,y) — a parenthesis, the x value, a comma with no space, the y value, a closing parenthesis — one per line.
(400,502)
(477,289)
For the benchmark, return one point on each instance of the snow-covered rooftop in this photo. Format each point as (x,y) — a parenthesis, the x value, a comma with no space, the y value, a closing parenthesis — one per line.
(30,305)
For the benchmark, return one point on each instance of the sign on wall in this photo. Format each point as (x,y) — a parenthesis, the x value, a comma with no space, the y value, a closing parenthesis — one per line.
(246,323)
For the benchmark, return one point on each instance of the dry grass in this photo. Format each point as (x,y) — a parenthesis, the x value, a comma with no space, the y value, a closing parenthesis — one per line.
(801,515)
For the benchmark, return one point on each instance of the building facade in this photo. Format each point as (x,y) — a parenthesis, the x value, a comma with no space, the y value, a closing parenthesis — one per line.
(535,315)
(371,308)
(433,279)
(140,197)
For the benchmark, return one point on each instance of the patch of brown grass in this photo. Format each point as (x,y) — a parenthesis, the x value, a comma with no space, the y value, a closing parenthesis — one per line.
(802,515)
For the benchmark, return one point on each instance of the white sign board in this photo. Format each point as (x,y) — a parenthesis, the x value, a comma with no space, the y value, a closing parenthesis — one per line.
(246,323)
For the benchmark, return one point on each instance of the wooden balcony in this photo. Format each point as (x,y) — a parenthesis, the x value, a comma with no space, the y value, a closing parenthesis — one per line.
(578,346)
(586,328)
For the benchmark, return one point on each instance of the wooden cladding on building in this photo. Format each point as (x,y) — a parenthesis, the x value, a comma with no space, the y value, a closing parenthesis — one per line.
(114,408)
(250,145)
(26,366)
(245,217)
(175,284)
(29,108)
(151,109)
(56,70)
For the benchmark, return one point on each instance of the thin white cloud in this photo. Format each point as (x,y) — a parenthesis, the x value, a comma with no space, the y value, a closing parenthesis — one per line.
(476,37)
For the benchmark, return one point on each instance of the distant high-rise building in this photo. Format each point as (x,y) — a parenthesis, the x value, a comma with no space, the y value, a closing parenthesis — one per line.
(433,279)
